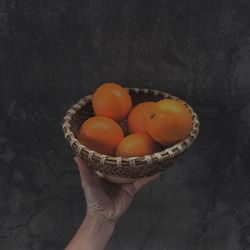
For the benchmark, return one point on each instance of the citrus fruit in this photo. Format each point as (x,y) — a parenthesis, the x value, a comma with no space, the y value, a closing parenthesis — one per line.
(138,116)
(111,100)
(137,144)
(100,134)
(169,122)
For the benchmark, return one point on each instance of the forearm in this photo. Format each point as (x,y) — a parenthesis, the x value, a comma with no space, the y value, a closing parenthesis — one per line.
(93,234)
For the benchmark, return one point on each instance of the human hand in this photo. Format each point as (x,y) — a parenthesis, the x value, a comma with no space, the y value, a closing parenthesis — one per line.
(108,200)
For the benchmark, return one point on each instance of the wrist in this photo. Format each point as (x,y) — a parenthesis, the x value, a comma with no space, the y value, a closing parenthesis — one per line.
(100,219)
(93,234)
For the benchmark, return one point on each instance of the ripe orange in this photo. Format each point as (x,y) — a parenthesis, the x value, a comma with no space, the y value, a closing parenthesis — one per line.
(137,144)
(138,116)
(170,121)
(111,100)
(100,134)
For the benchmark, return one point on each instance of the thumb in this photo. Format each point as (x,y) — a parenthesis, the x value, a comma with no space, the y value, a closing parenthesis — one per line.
(133,188)
(140,183)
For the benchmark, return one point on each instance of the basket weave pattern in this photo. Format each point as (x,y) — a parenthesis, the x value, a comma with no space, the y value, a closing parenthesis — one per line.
(132,167)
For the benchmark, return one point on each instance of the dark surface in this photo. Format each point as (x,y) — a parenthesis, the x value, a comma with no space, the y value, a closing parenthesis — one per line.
(55,52)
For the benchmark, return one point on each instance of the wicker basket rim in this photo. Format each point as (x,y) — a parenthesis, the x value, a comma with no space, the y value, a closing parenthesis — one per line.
(169,152)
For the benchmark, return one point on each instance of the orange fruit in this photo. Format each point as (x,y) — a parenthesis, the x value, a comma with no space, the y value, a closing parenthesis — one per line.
(137,144)
(100,134)
(138,116)
(111,100)
(170,121)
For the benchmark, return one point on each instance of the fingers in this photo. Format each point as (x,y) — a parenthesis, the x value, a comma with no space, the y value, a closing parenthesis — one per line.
(88,178)
(138,184)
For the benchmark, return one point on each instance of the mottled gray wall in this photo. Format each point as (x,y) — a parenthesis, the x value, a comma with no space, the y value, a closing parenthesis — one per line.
(55,52)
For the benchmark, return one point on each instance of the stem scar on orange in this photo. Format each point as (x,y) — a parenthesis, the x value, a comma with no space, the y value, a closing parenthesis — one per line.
(169,122)
(138,116)
(111,100)
(100,134)
(137,144)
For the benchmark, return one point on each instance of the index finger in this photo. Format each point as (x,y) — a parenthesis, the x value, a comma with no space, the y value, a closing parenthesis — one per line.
(88,178)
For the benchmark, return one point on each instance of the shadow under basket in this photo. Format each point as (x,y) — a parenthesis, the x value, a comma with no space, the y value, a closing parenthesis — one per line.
(120,169)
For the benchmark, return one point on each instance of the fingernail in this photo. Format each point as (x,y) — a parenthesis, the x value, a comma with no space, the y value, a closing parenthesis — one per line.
(76,160)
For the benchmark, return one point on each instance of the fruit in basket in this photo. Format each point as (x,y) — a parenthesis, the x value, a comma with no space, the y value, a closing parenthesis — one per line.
(100,134)
(169,122)
(137,144)
(138,116)
(111,100)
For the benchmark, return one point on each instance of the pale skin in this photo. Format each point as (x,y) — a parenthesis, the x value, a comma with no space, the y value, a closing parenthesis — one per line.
(106,203)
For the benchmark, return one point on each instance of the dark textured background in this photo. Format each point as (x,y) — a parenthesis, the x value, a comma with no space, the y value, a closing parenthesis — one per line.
(55,52)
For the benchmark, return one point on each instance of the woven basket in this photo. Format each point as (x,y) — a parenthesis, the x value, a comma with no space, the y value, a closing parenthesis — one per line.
(119,169)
